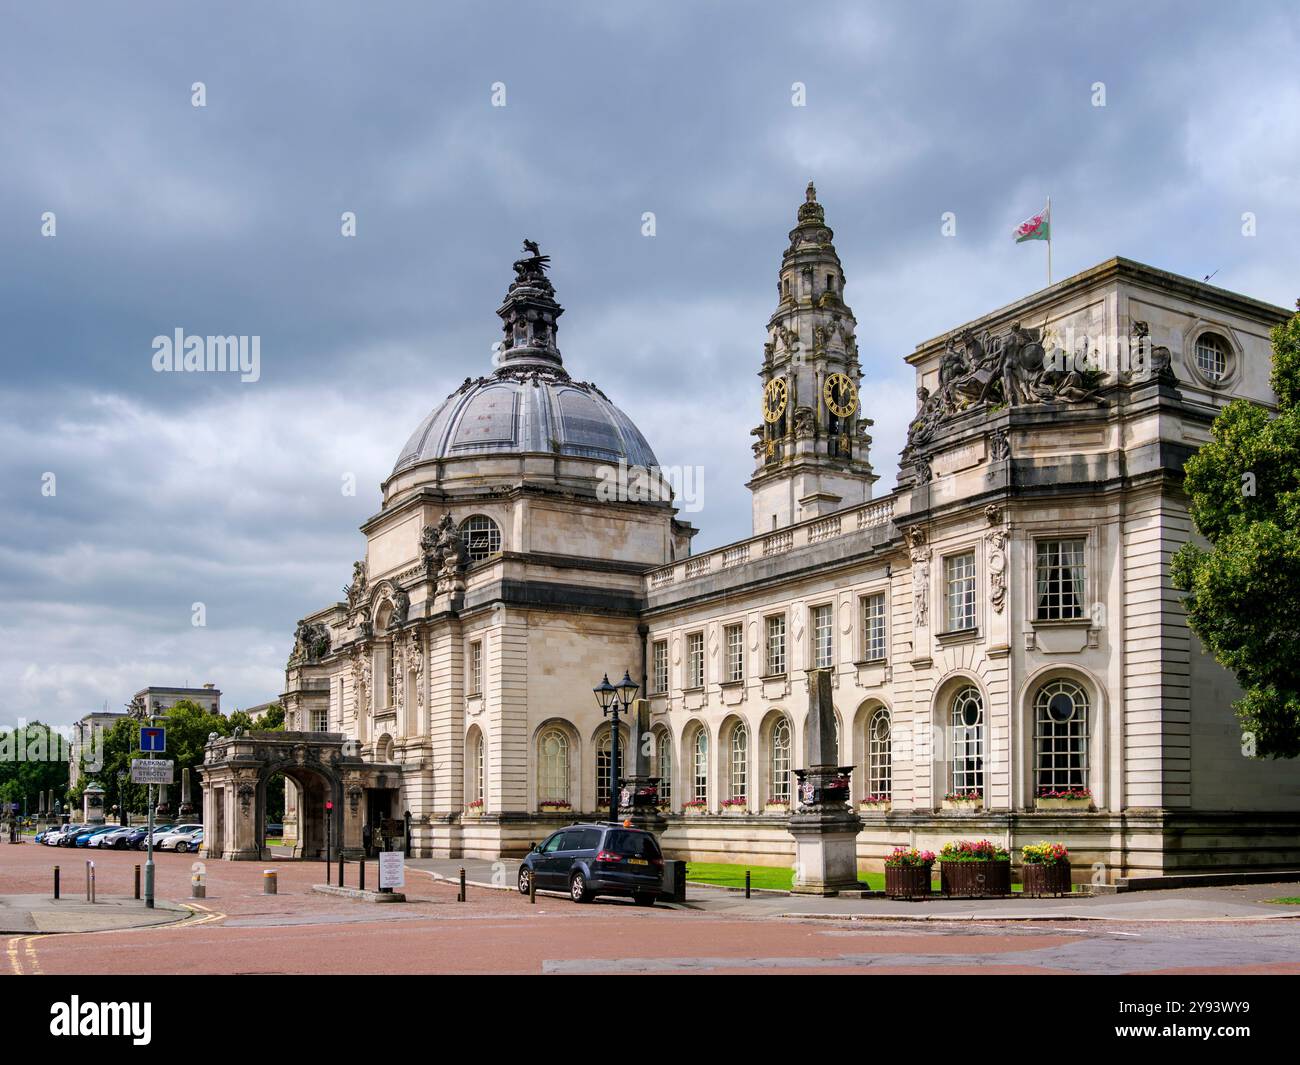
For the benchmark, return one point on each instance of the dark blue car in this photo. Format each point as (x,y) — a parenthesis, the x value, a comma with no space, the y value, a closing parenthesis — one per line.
(587,860)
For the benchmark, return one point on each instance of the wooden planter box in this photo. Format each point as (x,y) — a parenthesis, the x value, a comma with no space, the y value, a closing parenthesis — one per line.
(1063,804)
(975,879)
(1039,879)
(907,881)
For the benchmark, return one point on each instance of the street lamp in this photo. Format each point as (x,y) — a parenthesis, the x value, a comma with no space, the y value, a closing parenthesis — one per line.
(612,699)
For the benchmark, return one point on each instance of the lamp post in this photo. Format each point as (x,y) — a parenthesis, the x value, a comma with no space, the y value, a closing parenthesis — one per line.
(613,699)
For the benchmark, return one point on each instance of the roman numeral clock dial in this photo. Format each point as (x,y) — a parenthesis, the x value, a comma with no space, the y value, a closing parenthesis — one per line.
(775,397)
(841,395)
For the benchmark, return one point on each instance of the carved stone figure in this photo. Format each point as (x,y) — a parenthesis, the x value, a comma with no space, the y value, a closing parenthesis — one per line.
(311,642)
(401,608)
(451,549)
(361,680)
(356,591)
(415,656)
(920,555)
(999,446)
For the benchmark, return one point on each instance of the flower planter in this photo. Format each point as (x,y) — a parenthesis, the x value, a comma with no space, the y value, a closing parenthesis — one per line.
(907,881)
(1039,879)
(1063,804)
(975,879)
(474,813)
(875,807)
(695,811)
(963,806)
(556,808)
(735,811)
(777,808)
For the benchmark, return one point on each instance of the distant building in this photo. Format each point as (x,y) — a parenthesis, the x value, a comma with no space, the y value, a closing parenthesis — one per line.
(158,701)
(83,738)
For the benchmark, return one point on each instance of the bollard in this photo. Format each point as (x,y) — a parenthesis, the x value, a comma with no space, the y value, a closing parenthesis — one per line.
(362,883)
(461,896)
(340,870)
(532,889)
(269,882)
(746,883)
(137,883)
(56,883)
(198,889)
(92,881)
(88,865)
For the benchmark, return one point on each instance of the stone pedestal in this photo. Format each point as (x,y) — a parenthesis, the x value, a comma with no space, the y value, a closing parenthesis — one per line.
(825,831)
(92,800)
(639,803)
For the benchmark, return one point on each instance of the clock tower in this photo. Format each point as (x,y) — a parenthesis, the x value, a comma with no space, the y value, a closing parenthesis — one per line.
(812,450)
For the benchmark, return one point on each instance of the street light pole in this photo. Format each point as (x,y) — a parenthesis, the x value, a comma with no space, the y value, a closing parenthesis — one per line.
(611,700)
(148,865)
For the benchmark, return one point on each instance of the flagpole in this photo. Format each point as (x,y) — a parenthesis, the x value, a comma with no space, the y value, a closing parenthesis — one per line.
(1049,242)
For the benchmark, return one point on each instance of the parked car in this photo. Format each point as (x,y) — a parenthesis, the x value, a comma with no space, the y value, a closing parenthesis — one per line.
(83,838)
(61,836)
(177,840)
(110,838)
(158,832)
(196,841)
(596,859)
(136,838)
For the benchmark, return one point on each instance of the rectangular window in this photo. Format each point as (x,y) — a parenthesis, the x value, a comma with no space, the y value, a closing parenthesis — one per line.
(695,660)
(476,667)
(775,626)
(1059,579)
(959,585)
(320,721)
(735,652)
(823,637)
(661,666)
(873,627)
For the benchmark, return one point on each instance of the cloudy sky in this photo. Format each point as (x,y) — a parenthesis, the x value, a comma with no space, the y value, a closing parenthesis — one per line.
(175,489)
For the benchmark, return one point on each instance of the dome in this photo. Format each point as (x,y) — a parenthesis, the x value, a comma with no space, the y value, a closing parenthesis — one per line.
(535,410)
(529,404)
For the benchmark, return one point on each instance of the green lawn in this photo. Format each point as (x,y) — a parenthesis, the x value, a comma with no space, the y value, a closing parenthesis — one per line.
(1291,900)
(782,879)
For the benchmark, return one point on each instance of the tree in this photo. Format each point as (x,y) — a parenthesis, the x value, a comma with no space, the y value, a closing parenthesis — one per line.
(1243,593)
(33,759)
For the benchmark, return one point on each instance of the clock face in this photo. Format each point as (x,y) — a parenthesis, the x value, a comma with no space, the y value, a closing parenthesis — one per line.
(775,397)
(841,395)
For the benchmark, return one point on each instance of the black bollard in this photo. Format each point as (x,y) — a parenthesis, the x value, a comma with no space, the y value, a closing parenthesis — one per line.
(461,896)
(532,889)
(746,883)
(362,883)
(56,883)
(137,883)
(340,870)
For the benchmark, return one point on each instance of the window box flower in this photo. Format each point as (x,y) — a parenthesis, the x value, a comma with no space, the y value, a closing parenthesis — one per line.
(964,801)
(474,808)
(555,806)
(974,869)
(875,804)
(695,808)
(1045,869)
(1065,799)
(908,872)
(776,806)
(735,806)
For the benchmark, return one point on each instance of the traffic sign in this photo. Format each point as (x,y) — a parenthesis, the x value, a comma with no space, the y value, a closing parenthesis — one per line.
(153,739)
(153,771)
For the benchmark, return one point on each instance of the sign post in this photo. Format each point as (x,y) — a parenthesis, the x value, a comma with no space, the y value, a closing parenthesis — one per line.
(392,870)
(153,740)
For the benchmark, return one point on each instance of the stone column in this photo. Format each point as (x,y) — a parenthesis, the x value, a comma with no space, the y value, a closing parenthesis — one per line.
(639,798)
(825,827)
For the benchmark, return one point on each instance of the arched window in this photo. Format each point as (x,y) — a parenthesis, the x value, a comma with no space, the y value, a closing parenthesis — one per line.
(968,742)
(1212,352)
(482,537)
(778,784)
(664,767)
(880,771)
(700,767)
(476,761)
(1060,737)
(603,759)
(553,766)
(738,775)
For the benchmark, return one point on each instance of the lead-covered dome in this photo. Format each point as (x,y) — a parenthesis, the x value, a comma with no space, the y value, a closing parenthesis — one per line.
(529,405)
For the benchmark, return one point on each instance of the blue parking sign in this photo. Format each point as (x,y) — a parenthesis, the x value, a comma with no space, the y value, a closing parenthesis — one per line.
(153,739)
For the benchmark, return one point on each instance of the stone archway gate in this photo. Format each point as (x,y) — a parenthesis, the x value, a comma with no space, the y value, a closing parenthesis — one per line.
(326,766)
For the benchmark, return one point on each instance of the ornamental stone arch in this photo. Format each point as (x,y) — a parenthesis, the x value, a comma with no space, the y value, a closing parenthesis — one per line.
(942,741)
(1098,744)
(865,719)
(686,764)
(668,781)
(590,784)
(769,763)
(326,769)
(723,765)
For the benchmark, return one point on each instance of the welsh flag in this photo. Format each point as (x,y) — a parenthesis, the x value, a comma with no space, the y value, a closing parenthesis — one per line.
(1039,227)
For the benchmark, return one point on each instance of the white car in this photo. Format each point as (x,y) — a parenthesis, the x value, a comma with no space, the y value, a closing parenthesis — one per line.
(109,839)
(170,830)
(179,839)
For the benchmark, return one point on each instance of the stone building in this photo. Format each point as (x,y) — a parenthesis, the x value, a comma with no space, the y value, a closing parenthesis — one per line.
(1009,657)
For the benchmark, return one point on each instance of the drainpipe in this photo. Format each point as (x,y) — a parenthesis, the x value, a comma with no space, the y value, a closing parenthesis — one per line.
(643,630)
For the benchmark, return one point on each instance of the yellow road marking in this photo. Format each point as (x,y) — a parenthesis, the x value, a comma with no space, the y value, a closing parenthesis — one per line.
(12,949)
(30,945)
